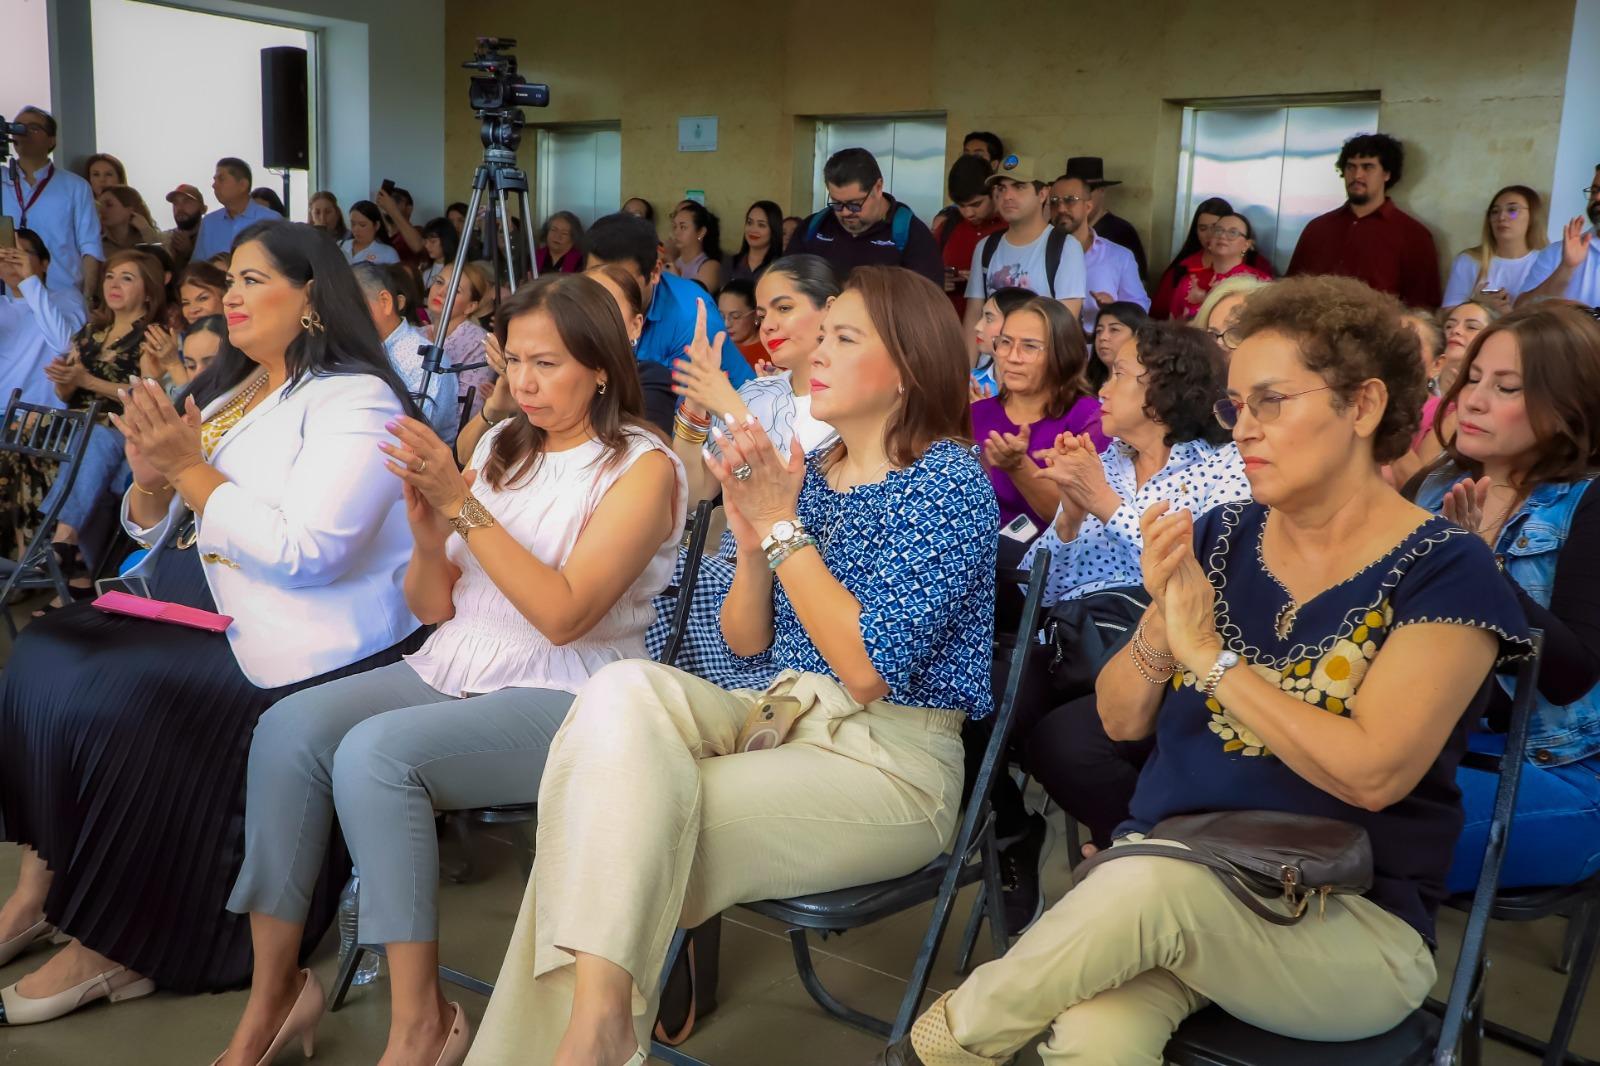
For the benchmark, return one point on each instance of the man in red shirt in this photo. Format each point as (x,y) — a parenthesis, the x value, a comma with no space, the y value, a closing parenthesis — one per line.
(1369,238)
(960,234)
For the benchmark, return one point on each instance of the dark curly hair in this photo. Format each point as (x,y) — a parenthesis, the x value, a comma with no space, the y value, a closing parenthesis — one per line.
(1183,371)
(1390,154)
(1348,334)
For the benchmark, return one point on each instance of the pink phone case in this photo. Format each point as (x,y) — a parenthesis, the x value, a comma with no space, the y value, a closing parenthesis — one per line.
(162,611)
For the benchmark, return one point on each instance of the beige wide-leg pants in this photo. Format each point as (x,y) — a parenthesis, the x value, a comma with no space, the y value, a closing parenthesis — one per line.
(650,820)
(1114,967)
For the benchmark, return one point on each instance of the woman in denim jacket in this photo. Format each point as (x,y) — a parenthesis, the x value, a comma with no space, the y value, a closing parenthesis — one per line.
(1520,472)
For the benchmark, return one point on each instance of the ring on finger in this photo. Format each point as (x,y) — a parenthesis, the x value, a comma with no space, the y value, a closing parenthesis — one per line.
(422,466)
(742,472)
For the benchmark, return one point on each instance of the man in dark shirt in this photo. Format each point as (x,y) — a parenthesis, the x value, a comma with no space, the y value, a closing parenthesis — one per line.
(863,225)
(1369,238)
(1091,170)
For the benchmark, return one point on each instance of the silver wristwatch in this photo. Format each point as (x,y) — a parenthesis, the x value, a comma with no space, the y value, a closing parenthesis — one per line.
(1226,660)
(784,533)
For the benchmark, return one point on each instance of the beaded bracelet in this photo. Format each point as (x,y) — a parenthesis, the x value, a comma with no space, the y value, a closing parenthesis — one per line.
(1157,659)
(1150,671)
(776,557)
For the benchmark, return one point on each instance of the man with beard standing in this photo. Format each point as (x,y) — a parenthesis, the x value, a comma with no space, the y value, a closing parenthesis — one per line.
(1369,238)
(1571,266)
(188,208)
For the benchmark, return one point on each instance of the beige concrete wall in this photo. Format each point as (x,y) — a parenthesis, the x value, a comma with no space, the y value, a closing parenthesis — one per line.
(1474,92)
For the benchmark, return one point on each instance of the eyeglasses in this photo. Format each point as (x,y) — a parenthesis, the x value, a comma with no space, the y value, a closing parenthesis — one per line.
(848,207)
(1229,234)
(1263,408)
(1228,338)
(1513,211)
(1068,200)
(1003,344)
(1592,191)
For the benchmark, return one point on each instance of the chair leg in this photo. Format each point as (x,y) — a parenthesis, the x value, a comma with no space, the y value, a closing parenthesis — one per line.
(994,900)
(824,998)
(1582,960)
(348,962)
(462,831)
(969,939)
(1575,925)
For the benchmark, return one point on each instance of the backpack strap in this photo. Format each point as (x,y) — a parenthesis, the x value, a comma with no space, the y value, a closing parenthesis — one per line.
(990,244)
(814,224)
(900,226)
(1054,245)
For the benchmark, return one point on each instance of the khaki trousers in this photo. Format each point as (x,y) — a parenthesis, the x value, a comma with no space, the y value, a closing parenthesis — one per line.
(649,819)
(1143,942)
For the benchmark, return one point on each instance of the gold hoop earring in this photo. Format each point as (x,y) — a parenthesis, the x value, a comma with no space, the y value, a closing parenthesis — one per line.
(311,322)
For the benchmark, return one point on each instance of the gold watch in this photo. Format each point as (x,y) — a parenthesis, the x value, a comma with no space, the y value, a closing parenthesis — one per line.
(473,515)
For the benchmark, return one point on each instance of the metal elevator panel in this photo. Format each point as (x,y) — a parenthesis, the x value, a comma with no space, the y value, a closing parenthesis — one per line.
(909,150)
(578,170)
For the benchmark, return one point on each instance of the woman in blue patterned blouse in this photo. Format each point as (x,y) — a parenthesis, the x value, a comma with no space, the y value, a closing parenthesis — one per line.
(1320,651)
(868,572)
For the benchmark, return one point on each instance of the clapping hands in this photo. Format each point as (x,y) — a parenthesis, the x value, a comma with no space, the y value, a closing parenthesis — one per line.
(1179,590)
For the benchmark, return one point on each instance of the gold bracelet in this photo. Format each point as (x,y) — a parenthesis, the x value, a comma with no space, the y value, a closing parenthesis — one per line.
(1158,660)
(149,492)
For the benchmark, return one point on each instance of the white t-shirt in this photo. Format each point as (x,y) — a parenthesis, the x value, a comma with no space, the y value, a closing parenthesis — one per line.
(1022,266)
(1508,274)
(1584,285)
(376,252)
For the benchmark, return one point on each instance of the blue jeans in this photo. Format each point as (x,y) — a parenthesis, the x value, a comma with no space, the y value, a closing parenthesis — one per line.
(1555,832)
(104,469)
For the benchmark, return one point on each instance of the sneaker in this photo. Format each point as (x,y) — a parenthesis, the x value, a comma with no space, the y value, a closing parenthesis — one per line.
(1021,859)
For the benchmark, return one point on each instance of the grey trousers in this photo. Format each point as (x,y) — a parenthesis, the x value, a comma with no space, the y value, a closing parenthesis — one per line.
(386,750)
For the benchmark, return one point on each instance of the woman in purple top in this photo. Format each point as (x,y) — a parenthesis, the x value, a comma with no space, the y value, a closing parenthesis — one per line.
(1040,360)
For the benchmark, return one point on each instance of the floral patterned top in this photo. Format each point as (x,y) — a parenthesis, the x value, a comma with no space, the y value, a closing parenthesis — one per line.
(1205,760)
(118,364)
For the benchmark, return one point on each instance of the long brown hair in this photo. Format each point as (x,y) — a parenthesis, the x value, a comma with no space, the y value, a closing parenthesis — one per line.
(155,289)
(1559,345)
(129,197)
(590,326)
(923,338)
(1483,253)
(1066,360)
(105,157)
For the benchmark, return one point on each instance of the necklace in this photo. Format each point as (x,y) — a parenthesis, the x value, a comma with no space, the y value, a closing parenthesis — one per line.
(217,426)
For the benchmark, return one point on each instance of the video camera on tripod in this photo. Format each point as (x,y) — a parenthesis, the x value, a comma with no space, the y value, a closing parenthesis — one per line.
(9,130)
(497,97)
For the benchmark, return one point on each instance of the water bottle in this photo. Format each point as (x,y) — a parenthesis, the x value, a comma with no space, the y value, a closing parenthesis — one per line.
(349,910)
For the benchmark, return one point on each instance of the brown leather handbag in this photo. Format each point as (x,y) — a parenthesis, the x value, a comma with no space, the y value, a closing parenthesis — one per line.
(1264,855)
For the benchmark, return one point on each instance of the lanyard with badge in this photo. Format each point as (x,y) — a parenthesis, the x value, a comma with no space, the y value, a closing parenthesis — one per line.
(16,185)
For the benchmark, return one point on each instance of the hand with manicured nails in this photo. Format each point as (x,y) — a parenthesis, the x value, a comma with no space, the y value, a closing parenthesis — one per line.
(160,440)
(772,491)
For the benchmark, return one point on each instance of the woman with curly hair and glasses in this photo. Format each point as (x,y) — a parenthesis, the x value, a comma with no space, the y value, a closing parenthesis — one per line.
(1318,652)
(1164,446)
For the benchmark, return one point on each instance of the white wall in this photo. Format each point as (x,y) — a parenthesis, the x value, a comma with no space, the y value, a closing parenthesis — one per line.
(381,90)
(211,103)
(25,71)
(1578,144)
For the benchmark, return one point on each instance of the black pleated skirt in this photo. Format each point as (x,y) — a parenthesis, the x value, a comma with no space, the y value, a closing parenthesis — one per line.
(123,749)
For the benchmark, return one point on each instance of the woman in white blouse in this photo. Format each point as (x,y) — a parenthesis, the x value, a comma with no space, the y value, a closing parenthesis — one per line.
(365,243)
(538,566)
(1494,273)
(1165,446)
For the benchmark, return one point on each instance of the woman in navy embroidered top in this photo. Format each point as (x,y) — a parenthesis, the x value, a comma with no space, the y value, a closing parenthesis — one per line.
(869,572)
(1520,472)
(1326,646)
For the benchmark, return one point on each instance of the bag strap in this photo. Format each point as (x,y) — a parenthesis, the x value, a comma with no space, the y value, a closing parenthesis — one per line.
(900,226)
(815,224)
(1223,869)
(1054,245)
(990,244)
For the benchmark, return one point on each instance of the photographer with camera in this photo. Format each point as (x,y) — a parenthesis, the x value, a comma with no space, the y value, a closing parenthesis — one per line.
(56,204)
(36,323)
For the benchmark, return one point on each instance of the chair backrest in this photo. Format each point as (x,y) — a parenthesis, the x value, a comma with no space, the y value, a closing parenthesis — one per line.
(57,434)
(1467,981)
(699,529)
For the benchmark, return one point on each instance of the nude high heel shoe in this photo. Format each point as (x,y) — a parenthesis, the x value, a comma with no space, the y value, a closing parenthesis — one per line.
(456,1045)
(301,1024)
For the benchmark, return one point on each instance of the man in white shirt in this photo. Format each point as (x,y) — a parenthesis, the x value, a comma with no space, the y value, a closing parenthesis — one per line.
(403,343)
(1031,254)
(1111,271)
(231,183)
(1570,268)
(55,204)
(37,323)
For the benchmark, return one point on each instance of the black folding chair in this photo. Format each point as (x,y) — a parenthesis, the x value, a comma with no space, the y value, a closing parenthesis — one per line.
(1212,1037)
(521,814)
(51,434)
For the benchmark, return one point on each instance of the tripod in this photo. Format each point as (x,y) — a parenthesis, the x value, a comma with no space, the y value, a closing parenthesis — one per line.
(500,176)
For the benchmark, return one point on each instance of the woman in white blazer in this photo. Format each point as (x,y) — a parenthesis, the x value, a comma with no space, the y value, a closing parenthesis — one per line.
(123,742)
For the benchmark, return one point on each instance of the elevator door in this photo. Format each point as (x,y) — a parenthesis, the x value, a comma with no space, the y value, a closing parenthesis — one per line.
(909,150)
(578,170)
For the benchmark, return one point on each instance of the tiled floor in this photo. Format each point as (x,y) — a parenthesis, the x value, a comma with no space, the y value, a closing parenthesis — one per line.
(765,1015)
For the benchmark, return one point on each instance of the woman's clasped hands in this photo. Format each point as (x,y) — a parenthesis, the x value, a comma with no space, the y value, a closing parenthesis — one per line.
(161,442)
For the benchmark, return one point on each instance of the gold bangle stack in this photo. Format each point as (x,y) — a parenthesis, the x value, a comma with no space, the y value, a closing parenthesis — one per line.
(689,428)
(1154,666)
